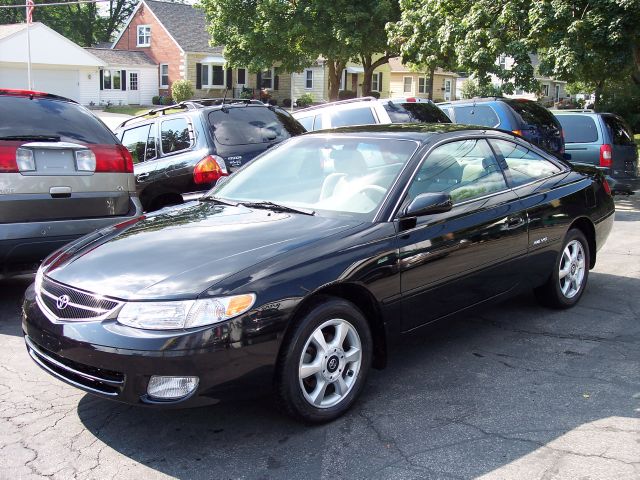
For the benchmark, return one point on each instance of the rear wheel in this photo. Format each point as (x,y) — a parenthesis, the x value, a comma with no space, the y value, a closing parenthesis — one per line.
(325,362)
(569,277)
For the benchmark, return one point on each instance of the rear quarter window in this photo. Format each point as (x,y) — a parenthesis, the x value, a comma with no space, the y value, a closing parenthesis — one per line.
(422,112)
(354,116)
(578,128)
(175,135)
(482,115)
(52,118)
(251,125)
(620,133)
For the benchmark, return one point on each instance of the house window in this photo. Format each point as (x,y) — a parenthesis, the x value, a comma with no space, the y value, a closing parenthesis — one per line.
(308,79)
(375,82)
(111,80)
(267,78)
(502,60)
(144,36)
(212,75)
(164,75)
(343,79)
(422,84)
(545,89)
(408,85)
(242,76)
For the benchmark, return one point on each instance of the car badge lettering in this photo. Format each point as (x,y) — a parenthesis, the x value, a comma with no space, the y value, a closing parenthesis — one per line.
(62,302)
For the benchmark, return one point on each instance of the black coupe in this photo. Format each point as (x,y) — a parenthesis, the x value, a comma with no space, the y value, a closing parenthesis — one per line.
(299,269)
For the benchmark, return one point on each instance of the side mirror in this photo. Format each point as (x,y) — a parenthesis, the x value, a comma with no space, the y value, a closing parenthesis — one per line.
(428,203)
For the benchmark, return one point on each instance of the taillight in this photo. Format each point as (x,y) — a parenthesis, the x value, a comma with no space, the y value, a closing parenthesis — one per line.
(517,132)
(411,100)
(606,186)
(8,163)
(112,158)
(605,155)
(209,170)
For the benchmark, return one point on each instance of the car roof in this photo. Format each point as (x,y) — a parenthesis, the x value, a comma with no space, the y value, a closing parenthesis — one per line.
(484,100)
(10,92)
(422,132)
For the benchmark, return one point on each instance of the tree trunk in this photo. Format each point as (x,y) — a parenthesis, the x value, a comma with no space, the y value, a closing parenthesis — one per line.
(635,74)
(335,72)
(432,90)
(369,66)
(598,95)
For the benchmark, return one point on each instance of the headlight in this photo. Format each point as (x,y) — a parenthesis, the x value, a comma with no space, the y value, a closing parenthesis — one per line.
(184,314)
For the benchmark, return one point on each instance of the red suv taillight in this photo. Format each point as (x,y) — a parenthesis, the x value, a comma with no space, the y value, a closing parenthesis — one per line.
(208,170)
(112,158)
(605,155)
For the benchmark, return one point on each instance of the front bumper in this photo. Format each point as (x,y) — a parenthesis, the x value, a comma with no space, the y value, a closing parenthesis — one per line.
(116,362)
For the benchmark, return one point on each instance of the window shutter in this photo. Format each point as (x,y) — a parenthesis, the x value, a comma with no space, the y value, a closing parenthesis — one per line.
(229,78)
(198,76)
(380,82)
(123,79)
(101,78)
(276,82)
(259,80)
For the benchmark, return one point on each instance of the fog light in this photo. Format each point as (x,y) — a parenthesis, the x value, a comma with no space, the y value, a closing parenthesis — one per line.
(171,388)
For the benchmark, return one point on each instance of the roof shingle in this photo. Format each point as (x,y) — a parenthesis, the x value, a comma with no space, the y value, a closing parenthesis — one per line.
(186,24)
(121,57)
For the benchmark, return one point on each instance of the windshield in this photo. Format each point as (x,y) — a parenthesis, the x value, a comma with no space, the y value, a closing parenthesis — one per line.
(328,174)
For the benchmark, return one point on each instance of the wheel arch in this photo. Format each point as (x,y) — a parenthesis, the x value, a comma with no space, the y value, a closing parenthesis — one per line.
(585,225)
(363,299)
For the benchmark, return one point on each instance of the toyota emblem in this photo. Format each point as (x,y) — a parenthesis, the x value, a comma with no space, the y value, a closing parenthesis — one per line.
(62,301)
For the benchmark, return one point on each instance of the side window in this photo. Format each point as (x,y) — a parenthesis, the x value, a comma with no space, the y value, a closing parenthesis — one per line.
(477,115)
(524,165)
(136,140)
(353,116)
(465,169)
(174,135)
(319,122)
(619,132)
(307,123)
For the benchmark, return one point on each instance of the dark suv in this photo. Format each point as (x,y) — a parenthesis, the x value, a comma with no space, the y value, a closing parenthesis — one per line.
(63,174)
(523,117)
(180,151)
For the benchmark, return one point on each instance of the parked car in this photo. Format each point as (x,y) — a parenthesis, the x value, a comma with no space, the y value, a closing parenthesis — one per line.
(63,174)
(301,276)
(368,111)
(526,118)
(180,151)
(604,140)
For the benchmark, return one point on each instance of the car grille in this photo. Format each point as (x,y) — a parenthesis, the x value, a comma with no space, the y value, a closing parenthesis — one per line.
(93,379)
(66,303)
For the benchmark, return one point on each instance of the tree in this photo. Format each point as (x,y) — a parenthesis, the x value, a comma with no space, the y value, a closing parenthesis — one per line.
(86,24)
(294,33)
(470,89)
(591,41)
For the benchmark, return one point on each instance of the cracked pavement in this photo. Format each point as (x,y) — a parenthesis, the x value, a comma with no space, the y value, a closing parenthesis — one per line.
(513,391)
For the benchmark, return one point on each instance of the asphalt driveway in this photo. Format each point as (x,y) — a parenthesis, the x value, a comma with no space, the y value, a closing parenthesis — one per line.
(511,392)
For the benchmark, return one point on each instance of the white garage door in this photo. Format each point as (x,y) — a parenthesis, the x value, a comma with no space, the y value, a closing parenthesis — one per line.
(59,82)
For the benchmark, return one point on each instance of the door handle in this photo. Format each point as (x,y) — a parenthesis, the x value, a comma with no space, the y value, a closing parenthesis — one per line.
(142,176)
(514,222)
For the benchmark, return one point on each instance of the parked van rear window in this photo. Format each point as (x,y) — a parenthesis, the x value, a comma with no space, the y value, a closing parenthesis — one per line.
(620,133)
(578,128)
(418,112)
(534,114)
(52,118)
(250,125)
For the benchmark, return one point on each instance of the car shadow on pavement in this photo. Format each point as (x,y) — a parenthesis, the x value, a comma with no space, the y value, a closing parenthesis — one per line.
(487,391)
(11,294)
(628,208)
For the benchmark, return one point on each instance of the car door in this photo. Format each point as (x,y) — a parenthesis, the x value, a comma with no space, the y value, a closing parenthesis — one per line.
(453,260)
(546,194)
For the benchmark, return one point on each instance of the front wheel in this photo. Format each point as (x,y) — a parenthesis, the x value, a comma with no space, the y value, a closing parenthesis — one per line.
(325,362)
(568,280)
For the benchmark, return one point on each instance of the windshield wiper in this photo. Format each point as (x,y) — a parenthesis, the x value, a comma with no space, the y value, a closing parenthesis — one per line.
(277,207)
(42,138)
(208,198)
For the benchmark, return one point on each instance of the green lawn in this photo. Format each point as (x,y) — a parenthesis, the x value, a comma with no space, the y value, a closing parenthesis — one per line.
(636,137)
(128,110)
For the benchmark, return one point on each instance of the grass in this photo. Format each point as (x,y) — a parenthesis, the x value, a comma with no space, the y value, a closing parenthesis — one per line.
(128,110)
(636,137)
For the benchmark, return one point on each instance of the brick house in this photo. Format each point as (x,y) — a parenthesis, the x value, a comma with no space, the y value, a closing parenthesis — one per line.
(174,35)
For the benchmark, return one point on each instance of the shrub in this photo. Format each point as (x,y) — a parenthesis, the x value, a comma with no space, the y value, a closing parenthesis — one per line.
(247,93)
(346,95)
(374,94)
(167,100)
(155,100)
(305,100)
(286,102)
(181,90)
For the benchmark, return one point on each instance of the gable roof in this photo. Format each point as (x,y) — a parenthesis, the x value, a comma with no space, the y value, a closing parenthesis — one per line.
(121,57)
(6,30)
(396,65)
(183,22)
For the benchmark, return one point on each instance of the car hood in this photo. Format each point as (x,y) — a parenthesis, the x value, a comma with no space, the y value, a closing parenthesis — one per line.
(178,253)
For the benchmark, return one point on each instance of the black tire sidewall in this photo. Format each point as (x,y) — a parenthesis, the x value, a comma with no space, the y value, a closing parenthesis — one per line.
(289,387)
(563,301)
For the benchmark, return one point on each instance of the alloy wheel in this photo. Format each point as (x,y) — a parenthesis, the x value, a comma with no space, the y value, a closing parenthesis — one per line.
(572,269)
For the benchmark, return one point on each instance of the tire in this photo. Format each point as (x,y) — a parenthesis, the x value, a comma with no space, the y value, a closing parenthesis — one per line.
(319,377)
(568,281)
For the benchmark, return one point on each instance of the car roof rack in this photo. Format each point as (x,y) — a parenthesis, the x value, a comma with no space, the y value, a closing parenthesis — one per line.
(194,104)
(575,110)
(338,102)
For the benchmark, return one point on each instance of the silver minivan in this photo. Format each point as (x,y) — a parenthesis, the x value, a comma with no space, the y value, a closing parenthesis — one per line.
(63,174)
